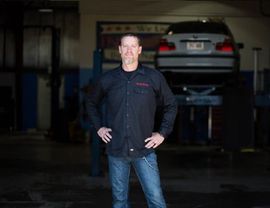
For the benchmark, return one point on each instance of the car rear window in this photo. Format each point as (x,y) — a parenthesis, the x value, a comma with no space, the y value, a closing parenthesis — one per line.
(198,27)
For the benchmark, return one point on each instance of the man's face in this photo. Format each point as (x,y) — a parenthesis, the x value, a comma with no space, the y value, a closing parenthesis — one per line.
(130,50)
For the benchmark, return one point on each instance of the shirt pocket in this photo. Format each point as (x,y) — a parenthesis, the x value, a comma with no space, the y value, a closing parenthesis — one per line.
(144,98)
(141,90)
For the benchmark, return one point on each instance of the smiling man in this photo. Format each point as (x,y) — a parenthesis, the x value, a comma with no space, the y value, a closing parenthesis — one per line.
(132,93)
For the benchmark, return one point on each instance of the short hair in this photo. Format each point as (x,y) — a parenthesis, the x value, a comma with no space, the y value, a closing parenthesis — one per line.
(130,35)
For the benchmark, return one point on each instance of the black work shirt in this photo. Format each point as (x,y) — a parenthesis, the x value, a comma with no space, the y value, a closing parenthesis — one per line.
(131,105)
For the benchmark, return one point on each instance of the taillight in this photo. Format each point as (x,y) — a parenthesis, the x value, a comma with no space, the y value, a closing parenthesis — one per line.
(225,46)
(164,45)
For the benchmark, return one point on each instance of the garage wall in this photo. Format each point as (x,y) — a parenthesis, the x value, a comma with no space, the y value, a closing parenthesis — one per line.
(245,19)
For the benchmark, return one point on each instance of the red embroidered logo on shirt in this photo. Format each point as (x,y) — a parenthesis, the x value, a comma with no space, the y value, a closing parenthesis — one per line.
(142,84)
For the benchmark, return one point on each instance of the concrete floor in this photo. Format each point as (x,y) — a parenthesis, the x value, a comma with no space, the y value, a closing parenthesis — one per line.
(38,172)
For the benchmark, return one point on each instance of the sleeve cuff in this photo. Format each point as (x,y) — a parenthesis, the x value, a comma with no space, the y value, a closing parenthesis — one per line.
(162,134)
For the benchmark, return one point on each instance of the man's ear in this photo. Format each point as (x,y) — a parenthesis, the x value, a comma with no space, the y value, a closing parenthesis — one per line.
(140,49)
(119,49)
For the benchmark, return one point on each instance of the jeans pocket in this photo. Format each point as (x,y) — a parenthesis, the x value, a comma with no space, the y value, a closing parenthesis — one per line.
(151,161)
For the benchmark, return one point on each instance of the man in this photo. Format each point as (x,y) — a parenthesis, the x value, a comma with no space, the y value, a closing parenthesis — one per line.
(132,94)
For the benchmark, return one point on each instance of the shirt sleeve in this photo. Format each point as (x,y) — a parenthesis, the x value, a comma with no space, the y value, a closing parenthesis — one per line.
(93,105)
(169,108)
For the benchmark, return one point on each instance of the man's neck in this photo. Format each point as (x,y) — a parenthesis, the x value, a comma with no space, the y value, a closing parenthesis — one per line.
(130,67)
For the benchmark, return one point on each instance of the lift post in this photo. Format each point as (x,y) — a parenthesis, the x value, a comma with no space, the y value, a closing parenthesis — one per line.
(199,96)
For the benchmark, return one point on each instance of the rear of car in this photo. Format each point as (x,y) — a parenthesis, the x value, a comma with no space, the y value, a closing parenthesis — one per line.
(198,53)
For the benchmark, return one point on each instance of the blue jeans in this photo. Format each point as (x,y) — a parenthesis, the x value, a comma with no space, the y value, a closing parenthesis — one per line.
(147,171)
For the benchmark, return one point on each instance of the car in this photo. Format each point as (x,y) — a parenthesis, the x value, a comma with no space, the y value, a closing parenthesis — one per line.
(198,53)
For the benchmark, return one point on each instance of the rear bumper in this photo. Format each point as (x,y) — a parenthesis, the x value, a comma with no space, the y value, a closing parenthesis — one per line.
(197,63)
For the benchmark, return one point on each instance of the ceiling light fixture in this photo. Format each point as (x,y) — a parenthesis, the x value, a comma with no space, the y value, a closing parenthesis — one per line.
(45,10)
(45,7)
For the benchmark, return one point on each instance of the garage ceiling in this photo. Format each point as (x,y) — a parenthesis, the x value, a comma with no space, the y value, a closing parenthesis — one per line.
(33,4)
(73,2)
(118,6)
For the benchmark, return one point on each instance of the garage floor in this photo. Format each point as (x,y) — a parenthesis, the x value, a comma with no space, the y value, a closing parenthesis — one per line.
(38,172)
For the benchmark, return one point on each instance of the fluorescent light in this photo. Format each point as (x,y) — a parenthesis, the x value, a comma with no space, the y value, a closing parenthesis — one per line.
(45,10)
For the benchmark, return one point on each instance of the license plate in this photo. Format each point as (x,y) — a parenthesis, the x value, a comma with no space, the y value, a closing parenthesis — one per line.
(195,46)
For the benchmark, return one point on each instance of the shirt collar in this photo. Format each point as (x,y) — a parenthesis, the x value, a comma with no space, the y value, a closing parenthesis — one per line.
(140,69)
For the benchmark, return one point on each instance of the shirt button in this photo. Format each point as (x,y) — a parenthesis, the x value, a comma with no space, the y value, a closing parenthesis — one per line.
(127,114)
(131,150)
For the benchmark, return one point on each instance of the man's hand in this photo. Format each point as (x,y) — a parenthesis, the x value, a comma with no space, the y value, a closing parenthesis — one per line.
(104,134)
(154,141)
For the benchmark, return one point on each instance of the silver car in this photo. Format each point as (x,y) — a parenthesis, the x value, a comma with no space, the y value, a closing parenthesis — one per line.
(198,53)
